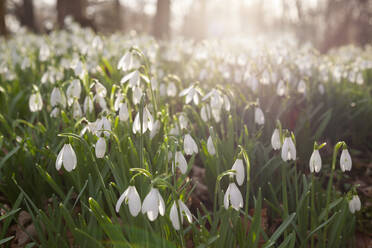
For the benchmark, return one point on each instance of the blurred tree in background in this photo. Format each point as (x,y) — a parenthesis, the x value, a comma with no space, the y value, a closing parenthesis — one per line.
(324,23)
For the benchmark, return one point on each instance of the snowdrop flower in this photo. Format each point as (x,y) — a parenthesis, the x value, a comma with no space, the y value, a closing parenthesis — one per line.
(192,94)
(73,91)
(57,98)
(301,88)
(189,145)
(162,89)
(55,112)
(118,100)
(226,103)
(345,160)
(101,124)
(101,102)
(180,162)
(100,89)
(155,129)
(259,117)
(288,149)
(233,197)
(210,146)
(77,112)
(133,78)
(275,140)
(354,204)
(100,147)
(153,204)
(123,112)
(137,94)
(172,89)
(67,157)
(183,121)
(280,90)
(147,121)
(315,161)
(174,217)
(127,62)
(88,105)
(35,102)
(239,168)
(205,113)
(130,197)
(175,131)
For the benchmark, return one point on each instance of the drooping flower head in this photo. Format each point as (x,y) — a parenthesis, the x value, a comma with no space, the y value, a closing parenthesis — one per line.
(67,157)
(132,198)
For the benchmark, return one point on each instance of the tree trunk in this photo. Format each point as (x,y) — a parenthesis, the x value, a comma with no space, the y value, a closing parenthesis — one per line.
(118,15)
(3,30)
(161,29)
(75,9)
(27,17)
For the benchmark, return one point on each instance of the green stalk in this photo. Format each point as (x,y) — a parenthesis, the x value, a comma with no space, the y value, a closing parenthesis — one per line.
(284,194)
(312,208)
(335,151)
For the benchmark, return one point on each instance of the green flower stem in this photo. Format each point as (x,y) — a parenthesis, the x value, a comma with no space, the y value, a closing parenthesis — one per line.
(329,187)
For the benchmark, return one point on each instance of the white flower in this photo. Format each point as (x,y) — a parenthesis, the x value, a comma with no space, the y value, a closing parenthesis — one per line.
(233,197)
(275,140)
(174,217)
(147,121)
(280,90)
(100,89)
(130,197)
(345,160)
(175,130)
(133,77)
(35,102)
(55,112)
(205,113)
(101,102)
(99,125)
(101,147)
(123,112)
(180,162)
(189,145)
(216,114)
(67,157)
(118,100)
(301,88)
(88,105)
(137,94)
(172,89)
(77,112)
(155,129)
(238,166)
(192,94)
(315,161)
(183,121)
(57,98)
(210,146)
(354,204)
(127,62)
(259,117)
(73,91)
(153,204)
(288,149)
(226,103)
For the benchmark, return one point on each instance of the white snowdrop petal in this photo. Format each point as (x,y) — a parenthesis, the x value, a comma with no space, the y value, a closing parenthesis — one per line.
(173,215)
(239,168)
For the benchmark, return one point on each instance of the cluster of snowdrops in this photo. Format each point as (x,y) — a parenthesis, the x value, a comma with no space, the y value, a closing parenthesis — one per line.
(69,86)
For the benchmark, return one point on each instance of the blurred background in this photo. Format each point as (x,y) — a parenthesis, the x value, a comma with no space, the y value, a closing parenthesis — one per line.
(323,23)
